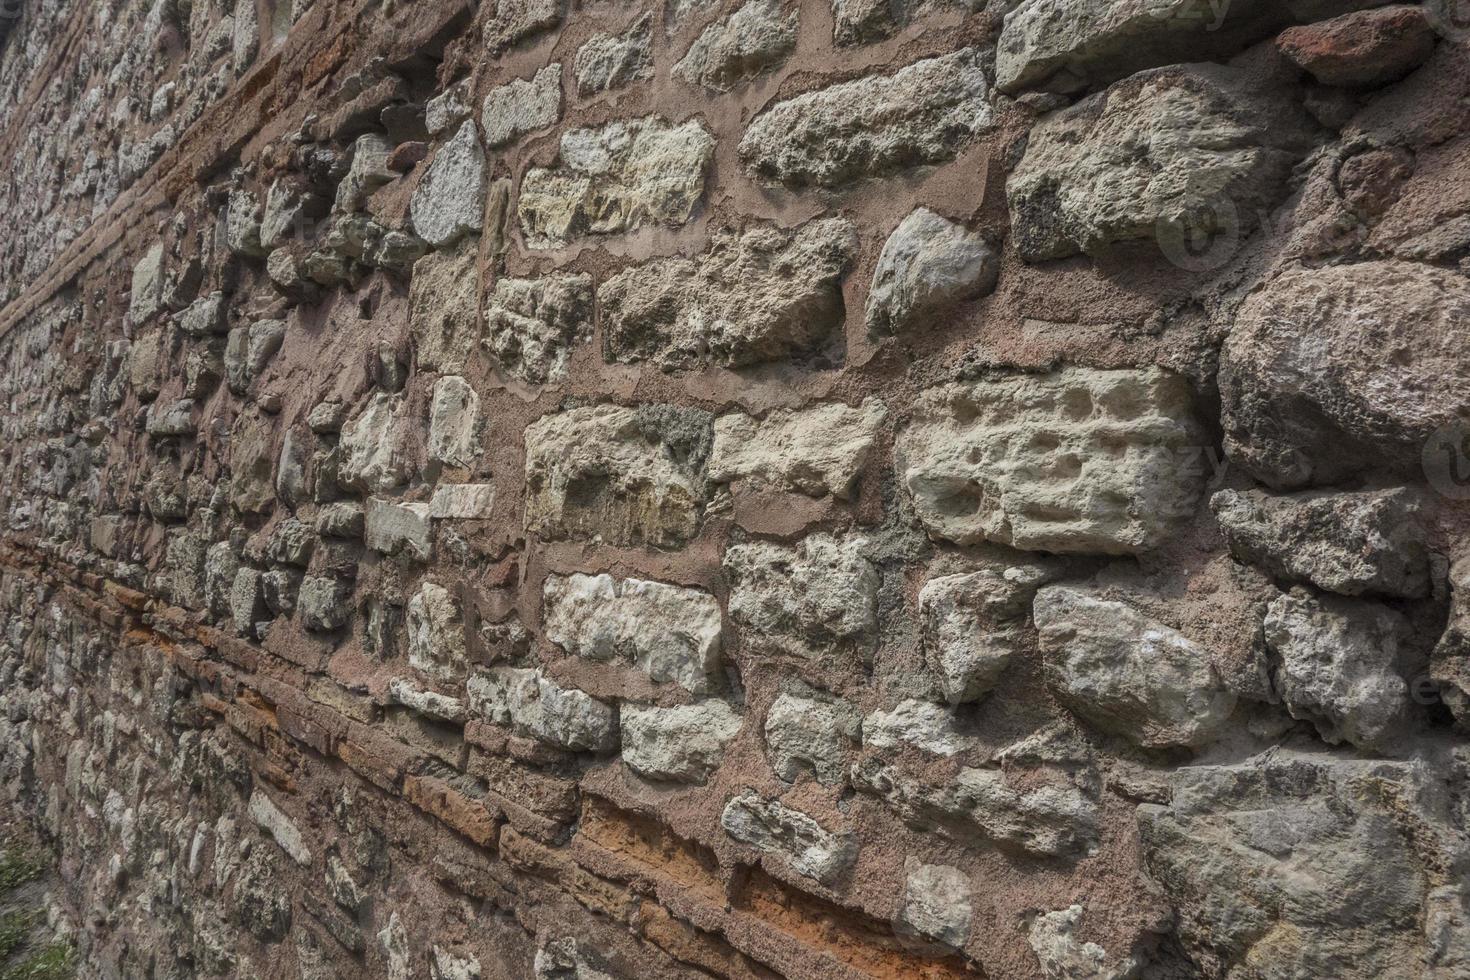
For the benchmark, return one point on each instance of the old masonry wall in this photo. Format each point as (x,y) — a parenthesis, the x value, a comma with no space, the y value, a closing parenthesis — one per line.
(740,488)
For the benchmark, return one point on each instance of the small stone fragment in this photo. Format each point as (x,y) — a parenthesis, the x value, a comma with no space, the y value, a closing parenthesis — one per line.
(393,528)
(1063,956)
(773,827)
(443,296)
(540,708)
(374,459)
(324,602)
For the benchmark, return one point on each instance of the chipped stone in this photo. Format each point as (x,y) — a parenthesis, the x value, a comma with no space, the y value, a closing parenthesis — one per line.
(522,106)
(682,744)
(532,325)
(816,451)
(777,829)
(928,265)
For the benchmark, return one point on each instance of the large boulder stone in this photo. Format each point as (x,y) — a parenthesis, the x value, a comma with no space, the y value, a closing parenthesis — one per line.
(669,632)
(754,39)
(621,475)
(616,178)
(816,451)
(1304,864)
(761,295)
(1128,675)
(1340,666)
(521,106)
(449,201)
(928,265)
(875,126)
(815,599)
(1303,403)
(531,325)
(1078,460)
(1353,543)
(1196,147)
(775,828)
(681,744)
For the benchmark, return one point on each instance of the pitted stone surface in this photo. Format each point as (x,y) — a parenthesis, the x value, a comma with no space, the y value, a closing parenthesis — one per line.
(815,599)
(522,106)
(1083,461)
(609,61)
(818,451)
(532,325)
(754,39)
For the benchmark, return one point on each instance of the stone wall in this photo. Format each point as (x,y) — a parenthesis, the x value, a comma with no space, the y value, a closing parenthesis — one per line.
(740,488)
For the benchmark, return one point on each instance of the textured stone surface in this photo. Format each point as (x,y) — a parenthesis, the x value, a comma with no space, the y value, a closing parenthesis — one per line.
(442,309)
(773,827)
(1362,49)
(609,61)
(818,451)
(1126,674)
(373,456)
(1339,666)
(1103,462)
(1194,147)
(1062,954)
(616,178)
(620,474)
(682,744)
(449,201)
(522,106)
(1368,542)
(754,39)
(928,265)
(936,904)
(818,598)
(925,726)
(759,296)
(542,709)
(877,126)
(669,632)
(436,645)
(532,325)
(1302,407)
(805,734)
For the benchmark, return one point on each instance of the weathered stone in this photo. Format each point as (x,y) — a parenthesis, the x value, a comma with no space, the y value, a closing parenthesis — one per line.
(394,528)
(250,350)
(443,296)
(268,817)
(340,520)
(936,904)
(616,178)
(522,106)
(462,501)
(622,475)
(973,623)
(251,457)
(444,965)
(279,586)
(669,632)
(449,201)
(531,325)
(1449,665)
(204,317)
(812,600)
(1339,666)
(454,422)
(262,905)
(928,265)
(430,704)
(1191,149)
(368,171)
(242,224)
(175,418)
(436,645)
(542,709)
(1363,49)
(374,459)
(877,126)
(221,565)
(609,61)
(1062,955)
(761,295)
(807,734)
(288,209)
(1050,820)
(1231,846)
(1078,460)
(146,296)
(925,726)
(146,359)
(773,827)
(325,602)
(683,744)
(816,451)
(1126,674)
(517,20)
(1301,404)
(756,38)
(1356,543)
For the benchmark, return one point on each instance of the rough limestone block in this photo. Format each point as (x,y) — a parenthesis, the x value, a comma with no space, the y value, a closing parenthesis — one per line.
(621,475)
(443,314)
(373,454)
(542,709)
(812,600)
(929,727)
(681,744)
(367,172)
(522,106)
(756,38)
(1078,460)
(324,602)
(816,451)
(436,646)
(454,422)
(876,126)
(532,325)
(669,632)
(449,201)
(928,265)
(1061,953)
(1195,149)
(615,178)
(807,734)
(283,829)
(936,904)
(1339,666)
(146,296)
(1449,665)
(1126,674)
(394,528)
(513,21)
(1301,404)
(462,501)
(610,61)
(777,829)
(762,295)
(1354,543)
